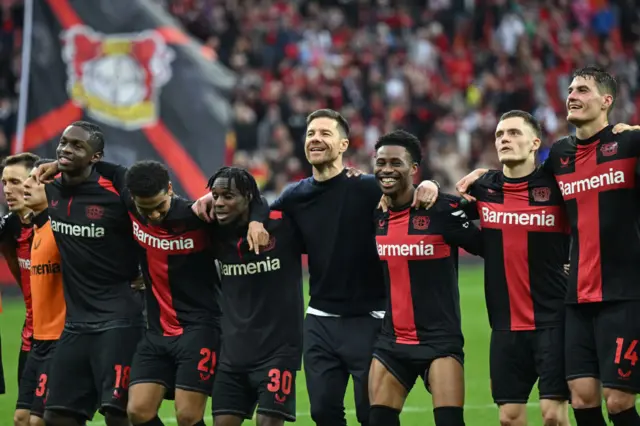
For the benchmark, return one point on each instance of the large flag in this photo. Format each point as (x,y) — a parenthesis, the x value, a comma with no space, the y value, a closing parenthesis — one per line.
(126,65)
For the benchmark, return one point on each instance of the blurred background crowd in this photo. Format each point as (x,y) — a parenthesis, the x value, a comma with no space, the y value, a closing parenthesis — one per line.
(442,69)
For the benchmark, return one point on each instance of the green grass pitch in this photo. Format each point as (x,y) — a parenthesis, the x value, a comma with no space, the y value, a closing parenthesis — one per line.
(479,410)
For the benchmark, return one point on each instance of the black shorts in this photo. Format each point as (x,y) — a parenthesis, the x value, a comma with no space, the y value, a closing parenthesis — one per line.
(92,370)
(184,362)
(408,362)
(517,359)
(32,392)
(272,389)
(26,343)
(22,362)
(602,342)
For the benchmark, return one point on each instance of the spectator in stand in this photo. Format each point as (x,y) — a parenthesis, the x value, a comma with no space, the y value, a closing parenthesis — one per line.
(444,72)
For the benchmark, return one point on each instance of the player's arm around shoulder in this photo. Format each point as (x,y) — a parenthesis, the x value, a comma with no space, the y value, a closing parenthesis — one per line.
(458,230)
(114,176)
(113,172)
(286,201)
(628,135)
(477,192)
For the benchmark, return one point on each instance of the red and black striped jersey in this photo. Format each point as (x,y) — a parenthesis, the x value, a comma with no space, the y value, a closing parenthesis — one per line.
(526,245)
(419,254)
(18,236)
(179,269)
(598,181)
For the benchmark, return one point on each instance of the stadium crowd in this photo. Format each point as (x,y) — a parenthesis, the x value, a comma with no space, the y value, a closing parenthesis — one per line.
(442,69)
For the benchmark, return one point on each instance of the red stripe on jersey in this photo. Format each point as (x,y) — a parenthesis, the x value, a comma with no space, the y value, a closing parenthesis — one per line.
(238,247)
(159,274)
(585,185)
(159,245)
(397,248)
(23,252)
(404,323)
(516,265)
(275,214)
(108,185)
(515,218)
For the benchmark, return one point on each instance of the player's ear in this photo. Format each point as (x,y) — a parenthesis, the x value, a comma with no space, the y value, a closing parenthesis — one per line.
(344,144)
(414,169)
(536,144)
(607,101)
(170,189)
(96,157)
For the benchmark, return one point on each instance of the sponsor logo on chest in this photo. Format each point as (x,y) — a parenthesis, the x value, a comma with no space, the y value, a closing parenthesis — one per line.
(250,268)
(86,231)
(170,243)
(601,182)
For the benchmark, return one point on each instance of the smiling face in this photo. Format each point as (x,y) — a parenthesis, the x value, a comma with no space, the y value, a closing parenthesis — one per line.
(586,102)
(13,178)
(516,141)
(74,152)
(394,169)
(229,204)
(324,142)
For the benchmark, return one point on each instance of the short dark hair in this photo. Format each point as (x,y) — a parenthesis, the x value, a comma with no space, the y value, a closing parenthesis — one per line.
(605,82)
(245,183)
(404,139)
(96,137)
(27,159)
(147,178)
(43,161)
(343,125)
(528,119)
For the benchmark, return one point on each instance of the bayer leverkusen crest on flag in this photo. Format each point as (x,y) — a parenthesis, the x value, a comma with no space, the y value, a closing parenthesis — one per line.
(117,78)
(125,65)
